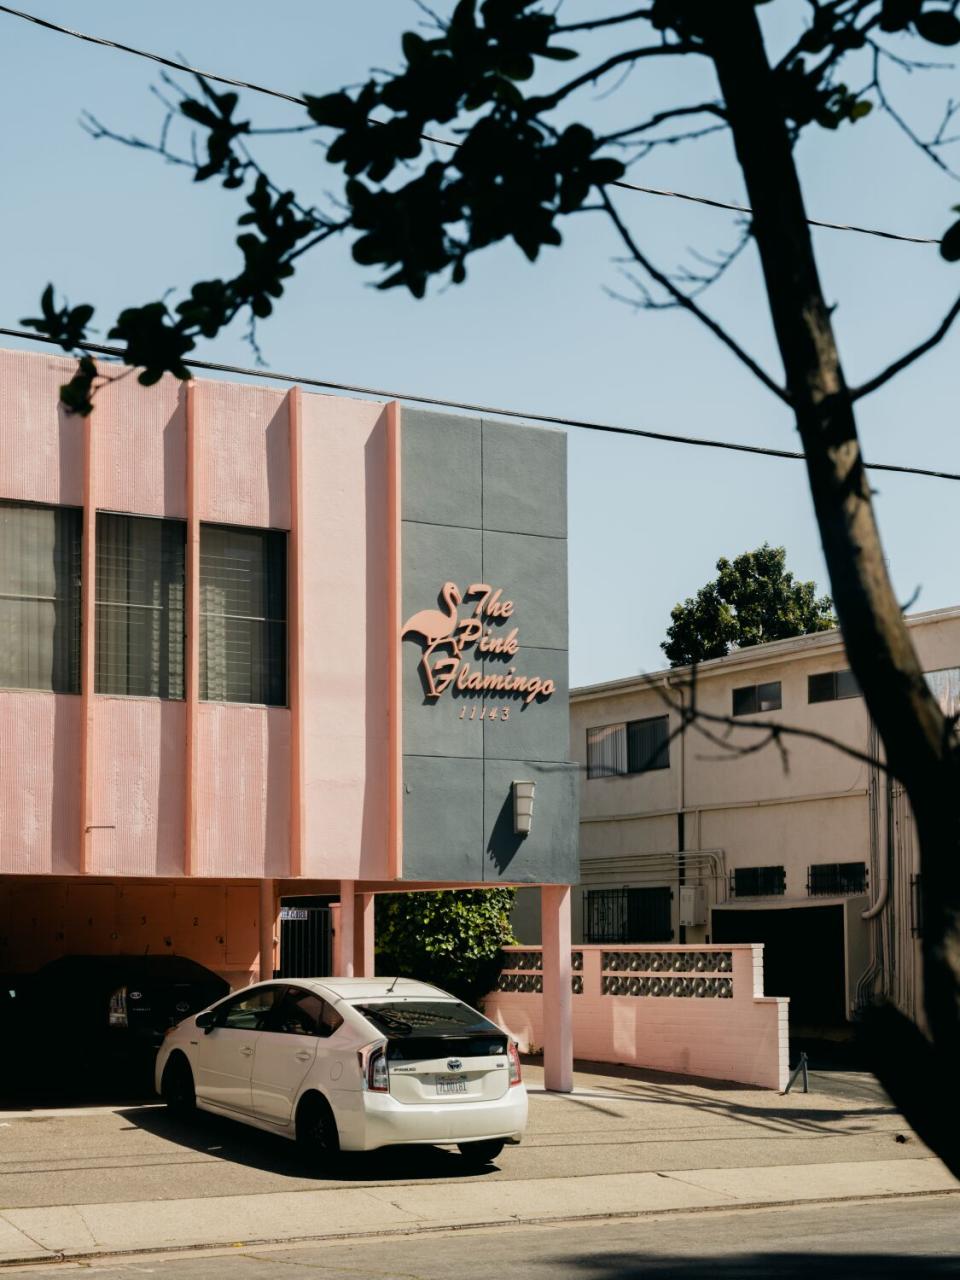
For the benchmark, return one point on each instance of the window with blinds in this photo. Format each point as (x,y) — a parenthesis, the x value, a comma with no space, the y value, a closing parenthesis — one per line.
(40,597)
(140,606)
(243,615)
(636,746)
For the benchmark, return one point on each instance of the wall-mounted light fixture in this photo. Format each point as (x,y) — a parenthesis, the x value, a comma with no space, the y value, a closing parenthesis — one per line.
(523,807)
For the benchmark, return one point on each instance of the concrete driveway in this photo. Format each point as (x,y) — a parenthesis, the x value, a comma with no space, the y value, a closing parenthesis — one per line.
(76,1182)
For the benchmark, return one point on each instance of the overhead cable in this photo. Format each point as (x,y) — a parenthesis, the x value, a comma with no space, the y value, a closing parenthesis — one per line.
(174,65)
(665,437)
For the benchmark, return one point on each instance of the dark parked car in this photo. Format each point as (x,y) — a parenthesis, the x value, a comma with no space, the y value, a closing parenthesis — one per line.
(115,1008)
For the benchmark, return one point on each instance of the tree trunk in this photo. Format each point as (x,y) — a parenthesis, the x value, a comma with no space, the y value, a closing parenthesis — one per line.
(918,741)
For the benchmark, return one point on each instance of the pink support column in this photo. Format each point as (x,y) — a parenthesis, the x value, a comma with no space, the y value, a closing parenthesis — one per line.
(269,932)
(344,957)
(557,988)
(364,935)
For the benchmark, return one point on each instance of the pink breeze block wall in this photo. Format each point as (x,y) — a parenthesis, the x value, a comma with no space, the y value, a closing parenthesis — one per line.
(743,1039)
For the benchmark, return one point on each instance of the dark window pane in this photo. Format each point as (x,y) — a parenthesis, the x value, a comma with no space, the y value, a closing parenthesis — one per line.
(243,615)
(438,1018)
(768,696)
(140,604)
(298,1013)
(749,882)
(836,878)
(40,597)
(250,1012)
(821,688)
(628,915)
(847,686)
(745,700)
(647,746)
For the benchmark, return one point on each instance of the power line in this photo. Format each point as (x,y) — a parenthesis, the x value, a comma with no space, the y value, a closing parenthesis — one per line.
(174,65)
(583,424)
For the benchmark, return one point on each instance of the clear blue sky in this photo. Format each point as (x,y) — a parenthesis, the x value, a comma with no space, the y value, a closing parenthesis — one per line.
(647,521)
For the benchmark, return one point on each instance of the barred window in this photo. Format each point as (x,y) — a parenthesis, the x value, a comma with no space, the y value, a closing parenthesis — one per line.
(243,615)
(760,882)
(140,600)
(636,746)
(836,878)
(40,597)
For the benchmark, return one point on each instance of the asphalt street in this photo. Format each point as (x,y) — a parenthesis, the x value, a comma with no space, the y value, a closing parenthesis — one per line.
(624,1122)
(858,1241)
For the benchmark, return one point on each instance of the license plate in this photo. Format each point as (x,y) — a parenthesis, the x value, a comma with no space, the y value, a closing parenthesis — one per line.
(451,1084)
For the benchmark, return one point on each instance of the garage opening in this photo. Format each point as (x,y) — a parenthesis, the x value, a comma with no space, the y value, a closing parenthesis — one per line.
(803,958)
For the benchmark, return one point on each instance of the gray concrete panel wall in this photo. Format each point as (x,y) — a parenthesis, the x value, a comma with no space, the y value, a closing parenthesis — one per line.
(485,502)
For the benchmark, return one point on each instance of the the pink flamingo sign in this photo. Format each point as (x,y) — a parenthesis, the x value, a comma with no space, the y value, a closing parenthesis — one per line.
(445,636)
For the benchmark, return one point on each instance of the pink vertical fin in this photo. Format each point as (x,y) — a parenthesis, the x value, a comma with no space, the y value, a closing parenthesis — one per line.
(191,682)
(295,648)
(88,624)
(394,652)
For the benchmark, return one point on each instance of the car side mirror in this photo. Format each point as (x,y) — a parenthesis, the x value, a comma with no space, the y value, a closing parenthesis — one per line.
(205,1021)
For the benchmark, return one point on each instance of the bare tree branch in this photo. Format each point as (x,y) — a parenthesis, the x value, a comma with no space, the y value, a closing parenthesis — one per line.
(905,361)
(544,103)
(661,117)
(688,303)
(631,16)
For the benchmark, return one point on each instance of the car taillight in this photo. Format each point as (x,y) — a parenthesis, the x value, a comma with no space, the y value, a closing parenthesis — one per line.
(514,1053)
(373,1068)
(117,1009)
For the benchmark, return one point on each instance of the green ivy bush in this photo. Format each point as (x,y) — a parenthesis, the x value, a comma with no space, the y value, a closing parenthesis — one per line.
(451,937)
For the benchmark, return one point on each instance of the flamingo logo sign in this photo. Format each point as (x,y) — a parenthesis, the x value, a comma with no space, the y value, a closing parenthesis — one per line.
(485,627)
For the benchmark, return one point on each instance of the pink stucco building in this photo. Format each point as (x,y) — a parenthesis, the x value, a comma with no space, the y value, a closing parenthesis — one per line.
(255,644)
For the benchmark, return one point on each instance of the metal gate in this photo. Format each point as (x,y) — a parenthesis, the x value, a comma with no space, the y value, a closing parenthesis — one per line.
(306,949)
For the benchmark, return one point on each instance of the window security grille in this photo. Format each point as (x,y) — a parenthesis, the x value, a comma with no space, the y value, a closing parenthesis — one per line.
(637,746)
(628,915)
(140,600)
(831,686)
(836,878)
(243,615)
(757,882)
(757,697)
(40,597)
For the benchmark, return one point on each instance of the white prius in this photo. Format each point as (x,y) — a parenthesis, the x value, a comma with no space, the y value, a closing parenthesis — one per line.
(350,1064)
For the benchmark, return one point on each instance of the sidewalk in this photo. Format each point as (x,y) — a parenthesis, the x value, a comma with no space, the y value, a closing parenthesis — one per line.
(107,1181)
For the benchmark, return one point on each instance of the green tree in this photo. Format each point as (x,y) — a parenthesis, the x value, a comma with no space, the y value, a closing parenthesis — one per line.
(753,599)
(520,160)
(452,938)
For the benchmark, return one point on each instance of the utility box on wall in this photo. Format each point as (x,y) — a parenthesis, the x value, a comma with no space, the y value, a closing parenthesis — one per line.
(693,905)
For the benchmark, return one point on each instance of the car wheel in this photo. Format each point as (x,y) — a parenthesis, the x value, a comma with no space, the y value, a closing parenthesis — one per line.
(480,1153)
(317,1135)
(176,1086)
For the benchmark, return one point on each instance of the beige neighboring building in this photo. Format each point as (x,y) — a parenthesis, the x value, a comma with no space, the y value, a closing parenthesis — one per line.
(685,840)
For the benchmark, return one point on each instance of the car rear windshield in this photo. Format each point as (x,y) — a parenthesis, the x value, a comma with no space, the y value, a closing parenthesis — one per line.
(437,1019)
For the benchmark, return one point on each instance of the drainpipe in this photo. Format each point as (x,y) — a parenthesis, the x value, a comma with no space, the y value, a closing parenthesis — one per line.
(883,893)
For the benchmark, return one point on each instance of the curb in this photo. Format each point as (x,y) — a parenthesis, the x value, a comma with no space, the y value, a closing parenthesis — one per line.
(266,1242)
